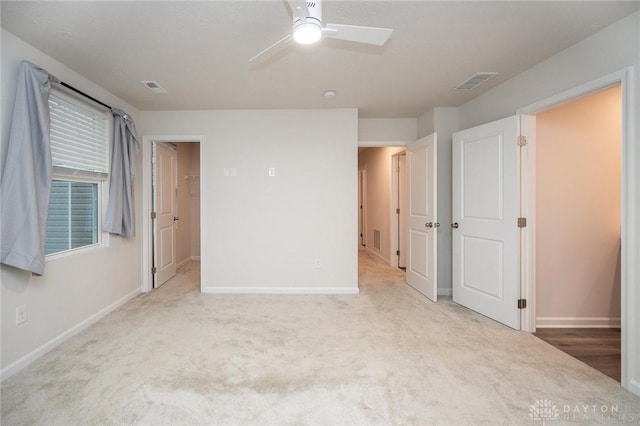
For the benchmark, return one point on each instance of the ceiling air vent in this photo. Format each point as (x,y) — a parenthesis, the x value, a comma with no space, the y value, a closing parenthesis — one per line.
(153,86)
(476,80)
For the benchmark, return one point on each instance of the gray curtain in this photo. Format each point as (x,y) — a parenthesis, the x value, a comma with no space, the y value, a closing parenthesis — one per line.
(26,175)
(120,215)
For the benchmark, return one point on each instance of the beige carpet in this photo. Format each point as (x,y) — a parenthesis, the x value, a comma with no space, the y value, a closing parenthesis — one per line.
(386,356)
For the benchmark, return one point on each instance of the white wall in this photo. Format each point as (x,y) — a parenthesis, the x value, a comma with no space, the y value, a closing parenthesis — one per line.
(610,50)
(395,131)
(377,163)
(444,122)
(426,123)
(261,233)
(75,289)
(578,154)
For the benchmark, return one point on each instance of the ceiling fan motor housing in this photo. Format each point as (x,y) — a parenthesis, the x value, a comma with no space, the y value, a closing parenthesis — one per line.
(315,13)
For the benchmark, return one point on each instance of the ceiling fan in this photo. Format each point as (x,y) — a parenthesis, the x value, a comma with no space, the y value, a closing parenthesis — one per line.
(308,29)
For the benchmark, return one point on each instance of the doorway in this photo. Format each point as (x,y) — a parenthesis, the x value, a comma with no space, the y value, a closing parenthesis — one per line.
(171,187)
(175,182)
(578,228)
(378,197)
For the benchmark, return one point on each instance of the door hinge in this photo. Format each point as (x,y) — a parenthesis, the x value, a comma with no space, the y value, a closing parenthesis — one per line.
(522,303)
(398,211)
(153,215)
(522,141)
(397,252)
(522,222)
(154,270)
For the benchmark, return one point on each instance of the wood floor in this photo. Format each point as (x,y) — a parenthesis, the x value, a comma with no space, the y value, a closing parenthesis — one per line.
(597,347)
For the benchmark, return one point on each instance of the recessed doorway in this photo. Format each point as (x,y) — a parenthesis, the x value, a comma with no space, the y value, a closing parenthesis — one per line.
(182,185)
(578,228)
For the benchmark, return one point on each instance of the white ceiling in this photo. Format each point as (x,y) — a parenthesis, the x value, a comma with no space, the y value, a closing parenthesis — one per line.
(199,51)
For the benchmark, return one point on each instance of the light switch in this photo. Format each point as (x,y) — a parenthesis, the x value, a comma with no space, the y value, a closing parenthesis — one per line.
(272,171)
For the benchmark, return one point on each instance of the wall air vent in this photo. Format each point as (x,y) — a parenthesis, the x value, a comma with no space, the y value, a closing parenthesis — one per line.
(153,86)
(476,80)
(376,239)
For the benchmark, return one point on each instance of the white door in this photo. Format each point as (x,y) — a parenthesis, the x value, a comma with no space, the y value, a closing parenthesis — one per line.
(165,179)
(422,222)
(485,242)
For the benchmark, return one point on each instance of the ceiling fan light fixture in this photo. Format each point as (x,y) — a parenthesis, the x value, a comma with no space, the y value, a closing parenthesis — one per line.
(307,32)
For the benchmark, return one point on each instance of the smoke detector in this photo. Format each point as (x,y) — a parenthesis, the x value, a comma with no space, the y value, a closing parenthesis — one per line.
(329,94)
(153,86)
(476,80)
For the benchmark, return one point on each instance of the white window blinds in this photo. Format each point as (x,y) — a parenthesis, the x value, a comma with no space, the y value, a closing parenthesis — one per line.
(79,136)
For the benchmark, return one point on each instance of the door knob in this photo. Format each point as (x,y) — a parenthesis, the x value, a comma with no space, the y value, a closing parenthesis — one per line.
(436,224)
(455,225)
(176,218)
(429,224)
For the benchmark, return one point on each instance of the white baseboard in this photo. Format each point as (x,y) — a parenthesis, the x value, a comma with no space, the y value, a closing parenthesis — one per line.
(195,258)
(445,292)
(280,290)
(573,322)
(377,254)
(21,363)
(183,263)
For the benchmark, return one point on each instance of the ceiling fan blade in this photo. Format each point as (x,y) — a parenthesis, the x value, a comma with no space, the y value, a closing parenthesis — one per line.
(275,47)
(299,8)
(368,35)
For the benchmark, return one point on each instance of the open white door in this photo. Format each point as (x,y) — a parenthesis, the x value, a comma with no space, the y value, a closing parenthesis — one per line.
(165,179)
(485,185)
(422,221)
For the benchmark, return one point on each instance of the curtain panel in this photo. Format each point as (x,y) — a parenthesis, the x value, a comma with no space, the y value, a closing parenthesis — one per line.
(120,217)
(26,175)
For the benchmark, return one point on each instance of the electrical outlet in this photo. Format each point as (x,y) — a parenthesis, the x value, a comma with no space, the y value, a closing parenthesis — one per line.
(21,314)
(318,263)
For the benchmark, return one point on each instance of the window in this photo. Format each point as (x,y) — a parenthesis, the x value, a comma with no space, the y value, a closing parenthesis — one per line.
(79,152)
(73,216)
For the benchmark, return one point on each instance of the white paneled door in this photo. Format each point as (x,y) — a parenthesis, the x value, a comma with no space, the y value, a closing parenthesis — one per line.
(165,179)
(422,220)
(485,220)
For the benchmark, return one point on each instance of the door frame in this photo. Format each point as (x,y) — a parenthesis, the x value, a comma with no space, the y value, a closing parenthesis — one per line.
(394,226)
(630,269)
(146,257)
(362,208)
